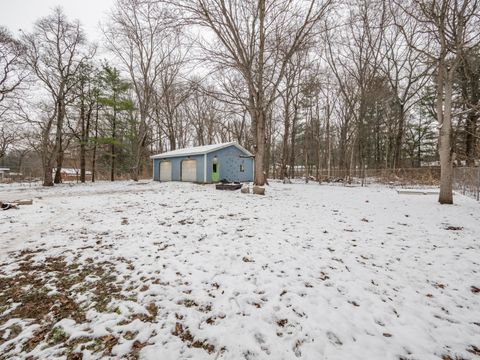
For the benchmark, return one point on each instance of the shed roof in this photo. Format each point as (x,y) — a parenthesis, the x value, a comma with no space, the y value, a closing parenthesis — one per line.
(199,150)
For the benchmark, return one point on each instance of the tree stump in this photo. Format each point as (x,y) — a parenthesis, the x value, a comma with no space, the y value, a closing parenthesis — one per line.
(258,190)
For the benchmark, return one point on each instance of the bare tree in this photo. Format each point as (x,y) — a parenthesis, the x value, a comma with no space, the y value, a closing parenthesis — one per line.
(12,73)
(405,72)
(448,29)
(204,114)
(291,88)
(54,51)
(7,138)
(354,56)
(86,94)
(256,38)
(330,100)
(139,35)
(171,92)
(469,82)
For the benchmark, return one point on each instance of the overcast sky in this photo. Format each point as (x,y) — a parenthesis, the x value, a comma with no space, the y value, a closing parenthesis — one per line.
(21,14)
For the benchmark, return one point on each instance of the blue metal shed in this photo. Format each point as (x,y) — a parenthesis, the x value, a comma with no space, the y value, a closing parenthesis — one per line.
(205,164)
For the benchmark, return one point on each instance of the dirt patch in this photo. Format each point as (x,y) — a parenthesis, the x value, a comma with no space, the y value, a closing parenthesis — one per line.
(43,292)
(474,350)
(185,335)
(136,347)
(454,228)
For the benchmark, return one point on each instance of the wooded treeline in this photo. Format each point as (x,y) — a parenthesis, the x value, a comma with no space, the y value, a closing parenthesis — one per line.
(319,84)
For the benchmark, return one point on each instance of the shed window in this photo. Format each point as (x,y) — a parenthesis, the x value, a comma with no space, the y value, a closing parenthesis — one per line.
(214,168)
(242,168)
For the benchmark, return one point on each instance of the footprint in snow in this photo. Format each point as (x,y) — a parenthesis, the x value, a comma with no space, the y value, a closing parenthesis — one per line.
(333,338)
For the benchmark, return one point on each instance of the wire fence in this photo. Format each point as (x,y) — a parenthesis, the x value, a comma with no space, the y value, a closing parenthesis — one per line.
(466,180)
(24,175)
(399,177)
(30,176)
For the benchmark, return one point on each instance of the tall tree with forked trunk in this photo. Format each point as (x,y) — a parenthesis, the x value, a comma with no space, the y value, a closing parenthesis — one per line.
(448,28)
(256,39)
(141,37)
(55,51)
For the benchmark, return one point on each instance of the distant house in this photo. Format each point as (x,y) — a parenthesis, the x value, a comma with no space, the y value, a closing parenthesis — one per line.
(429,163)
(205,164)
(73,174)
(3,172)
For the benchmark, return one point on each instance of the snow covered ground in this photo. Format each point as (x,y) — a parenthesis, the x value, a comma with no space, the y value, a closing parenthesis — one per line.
(177,271)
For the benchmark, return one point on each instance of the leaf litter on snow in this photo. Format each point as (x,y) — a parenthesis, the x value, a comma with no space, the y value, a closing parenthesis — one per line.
(177,270)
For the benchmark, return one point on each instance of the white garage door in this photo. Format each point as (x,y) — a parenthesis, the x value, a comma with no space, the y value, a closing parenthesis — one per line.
(165,171)
(189,170)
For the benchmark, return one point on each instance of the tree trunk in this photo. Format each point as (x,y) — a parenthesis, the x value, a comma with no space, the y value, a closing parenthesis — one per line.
(318,152)
(172,140)
(83,140)
(83,162)
(268,144)
(444,113)
(305,158)
(399,136)
(329,144)
(94,155)
(352,160)
(342,156)
(47,166)
(138,157)
(260,147)
(139,150)
(470,140)
(46,155)
(473,97)
(58,171)
(293,134)
(286,134)
(446,171)
(470,85)
(112,145)
(259,96)
(47,175)
(58,149)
